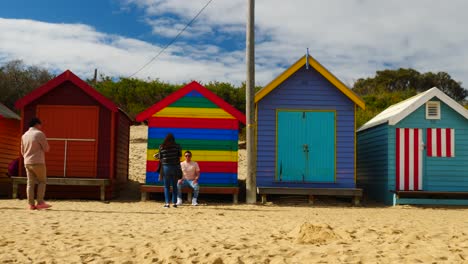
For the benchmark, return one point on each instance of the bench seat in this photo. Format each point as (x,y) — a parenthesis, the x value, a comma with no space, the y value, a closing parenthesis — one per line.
(311,192)
(430,197)
(145,189)
(64,181)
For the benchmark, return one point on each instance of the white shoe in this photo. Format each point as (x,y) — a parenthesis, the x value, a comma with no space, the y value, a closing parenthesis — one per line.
(194,202)
(179,201)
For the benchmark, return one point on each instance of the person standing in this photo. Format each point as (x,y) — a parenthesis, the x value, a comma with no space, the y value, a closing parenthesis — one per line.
(191,174)
(33,147)
(169,156)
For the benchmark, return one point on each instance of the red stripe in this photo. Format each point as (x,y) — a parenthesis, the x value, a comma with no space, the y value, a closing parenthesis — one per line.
(416,158)
(439,142)
(397,159)
(176,122)
(406,159)
(205,166)
(448,143)
(429,142)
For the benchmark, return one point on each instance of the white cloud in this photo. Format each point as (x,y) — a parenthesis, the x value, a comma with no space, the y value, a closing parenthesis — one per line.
(353,39)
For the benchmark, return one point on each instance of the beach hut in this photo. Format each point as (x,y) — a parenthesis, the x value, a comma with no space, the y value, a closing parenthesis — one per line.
(202,123)
(9,145)
(306,133)
(87,133)
(416,152)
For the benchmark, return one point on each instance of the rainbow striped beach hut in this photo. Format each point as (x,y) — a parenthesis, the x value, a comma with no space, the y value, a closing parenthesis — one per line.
(202,123)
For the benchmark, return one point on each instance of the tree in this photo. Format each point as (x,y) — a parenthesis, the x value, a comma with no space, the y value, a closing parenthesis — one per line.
(410,79)
(389,87)
(17,79)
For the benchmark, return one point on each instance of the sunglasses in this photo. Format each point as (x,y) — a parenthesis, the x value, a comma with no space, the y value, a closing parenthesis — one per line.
(188,155)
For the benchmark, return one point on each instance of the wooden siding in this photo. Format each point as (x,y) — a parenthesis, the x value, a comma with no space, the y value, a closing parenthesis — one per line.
(68,94)
(372,163)
(10,139)
(73,132)
(122,148)
(306,89)
(439,174)
(201,126)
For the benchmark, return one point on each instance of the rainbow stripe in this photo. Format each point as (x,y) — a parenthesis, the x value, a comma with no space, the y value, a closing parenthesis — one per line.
(204,128)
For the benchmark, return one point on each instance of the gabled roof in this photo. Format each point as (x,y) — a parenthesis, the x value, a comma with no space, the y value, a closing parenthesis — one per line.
(66,76)
(5,112)
(397,112)
(193,86)
(318,67)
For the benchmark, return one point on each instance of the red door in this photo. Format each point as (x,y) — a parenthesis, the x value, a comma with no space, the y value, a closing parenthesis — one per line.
(72,132)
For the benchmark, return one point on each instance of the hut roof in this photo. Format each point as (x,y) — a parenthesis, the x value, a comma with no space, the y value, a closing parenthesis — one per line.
(66,76)
(5,112)
(193,86)
(395,113)
(318,67)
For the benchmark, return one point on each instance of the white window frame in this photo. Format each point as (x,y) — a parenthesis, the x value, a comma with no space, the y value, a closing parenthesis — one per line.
(432,104)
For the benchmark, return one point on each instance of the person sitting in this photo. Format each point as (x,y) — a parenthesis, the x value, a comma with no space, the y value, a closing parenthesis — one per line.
(190,176)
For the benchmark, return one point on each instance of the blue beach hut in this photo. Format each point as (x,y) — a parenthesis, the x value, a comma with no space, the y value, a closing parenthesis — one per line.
(416,152)
(306,133)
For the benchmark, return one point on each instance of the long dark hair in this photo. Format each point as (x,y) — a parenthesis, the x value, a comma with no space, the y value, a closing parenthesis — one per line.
(169,140)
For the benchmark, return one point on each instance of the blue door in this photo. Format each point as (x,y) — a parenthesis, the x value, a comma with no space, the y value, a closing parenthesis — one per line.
(306,146)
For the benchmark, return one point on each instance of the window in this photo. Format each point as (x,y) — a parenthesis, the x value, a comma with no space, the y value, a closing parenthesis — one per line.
(433,110)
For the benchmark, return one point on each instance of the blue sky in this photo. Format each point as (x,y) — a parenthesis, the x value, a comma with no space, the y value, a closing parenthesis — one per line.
(352,38)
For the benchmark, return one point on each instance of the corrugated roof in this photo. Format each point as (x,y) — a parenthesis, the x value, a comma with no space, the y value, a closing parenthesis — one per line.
(5,112)
(395,113)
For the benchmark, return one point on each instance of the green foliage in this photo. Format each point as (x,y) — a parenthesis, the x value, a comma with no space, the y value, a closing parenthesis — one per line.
(389,87)
(386,88)
(17,80)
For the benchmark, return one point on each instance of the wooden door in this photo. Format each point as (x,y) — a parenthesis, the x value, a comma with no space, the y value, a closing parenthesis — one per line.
(72,132)
(306,146)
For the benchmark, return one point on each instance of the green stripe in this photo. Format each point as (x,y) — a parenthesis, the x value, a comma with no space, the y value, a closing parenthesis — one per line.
(194,102)
(194,144)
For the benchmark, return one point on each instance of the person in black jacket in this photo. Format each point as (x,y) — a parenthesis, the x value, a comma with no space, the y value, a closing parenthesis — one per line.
(169,156)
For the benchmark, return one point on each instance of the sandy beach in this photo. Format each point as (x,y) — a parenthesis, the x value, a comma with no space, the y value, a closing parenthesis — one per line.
(126,230)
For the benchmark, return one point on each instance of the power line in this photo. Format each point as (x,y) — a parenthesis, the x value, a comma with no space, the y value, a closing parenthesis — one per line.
(173,40)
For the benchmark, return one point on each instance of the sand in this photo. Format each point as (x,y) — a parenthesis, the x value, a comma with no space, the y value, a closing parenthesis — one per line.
(287,231)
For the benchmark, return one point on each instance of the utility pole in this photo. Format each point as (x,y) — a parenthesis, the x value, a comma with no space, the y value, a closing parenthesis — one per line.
(251,182)
(95,78)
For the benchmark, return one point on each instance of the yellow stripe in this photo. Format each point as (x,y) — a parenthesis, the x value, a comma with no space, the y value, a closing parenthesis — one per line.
(203,155)
(194,112)
(318,67)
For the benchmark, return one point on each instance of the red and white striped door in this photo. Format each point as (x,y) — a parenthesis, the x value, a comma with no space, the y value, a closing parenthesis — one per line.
(409,159)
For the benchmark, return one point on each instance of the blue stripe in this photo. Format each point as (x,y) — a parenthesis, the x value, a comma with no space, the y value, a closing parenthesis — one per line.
(194,94)
(205,178)
(193,133)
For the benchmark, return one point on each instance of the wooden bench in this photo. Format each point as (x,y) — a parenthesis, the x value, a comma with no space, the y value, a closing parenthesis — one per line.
(145,189)
(311,192)
(428,195)
(65,181)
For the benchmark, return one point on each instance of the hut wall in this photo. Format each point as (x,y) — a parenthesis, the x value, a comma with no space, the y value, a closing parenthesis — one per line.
(9,143)
(122,147)
(208,131)
(372,163)
(68,94)
(439,174)
(306,89)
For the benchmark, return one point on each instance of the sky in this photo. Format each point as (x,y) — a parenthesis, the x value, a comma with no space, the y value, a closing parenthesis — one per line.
(352,38)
